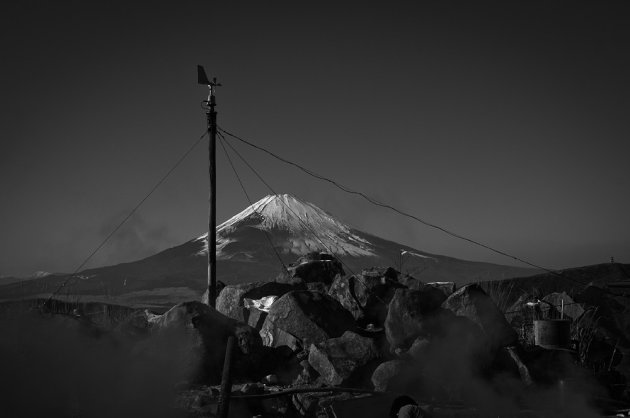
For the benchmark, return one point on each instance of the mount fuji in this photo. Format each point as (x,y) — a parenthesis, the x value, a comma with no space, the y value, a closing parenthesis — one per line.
(250,246)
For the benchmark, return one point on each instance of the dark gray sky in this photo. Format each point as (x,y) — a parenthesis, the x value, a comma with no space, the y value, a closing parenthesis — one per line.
(504,121)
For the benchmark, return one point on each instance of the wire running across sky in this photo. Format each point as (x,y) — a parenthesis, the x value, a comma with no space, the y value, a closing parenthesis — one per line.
(398,211)
(305,225)
(130,214)
(240,182)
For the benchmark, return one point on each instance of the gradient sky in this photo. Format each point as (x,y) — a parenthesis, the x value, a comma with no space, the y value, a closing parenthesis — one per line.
(504,121)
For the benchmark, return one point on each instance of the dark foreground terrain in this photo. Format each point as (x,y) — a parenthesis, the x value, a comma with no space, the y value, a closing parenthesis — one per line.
(320,343)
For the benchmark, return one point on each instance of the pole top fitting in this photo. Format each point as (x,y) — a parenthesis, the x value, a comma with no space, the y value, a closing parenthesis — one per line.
(202,78)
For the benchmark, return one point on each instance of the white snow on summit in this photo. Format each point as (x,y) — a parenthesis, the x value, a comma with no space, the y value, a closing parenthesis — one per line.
(307,228)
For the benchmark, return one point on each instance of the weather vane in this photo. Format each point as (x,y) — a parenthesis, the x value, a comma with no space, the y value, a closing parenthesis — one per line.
(202,78)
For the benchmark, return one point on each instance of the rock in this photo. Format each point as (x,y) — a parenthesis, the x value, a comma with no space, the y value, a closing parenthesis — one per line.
(280,362)
(343,289)
(306,403)
(220,287)
(552,306)
(473,303)
(385,374)
(385,274)
(205,332)
(411,282)
(411,411)
(313,267)
(307,375)
(458,348)
(256,318)
(366,295)
(413,313)
(252,389)
(454,353)
(337,359)
(309,317)
(279,338)
(230,301)
(447,287)
(317,287)
(136,324)
(521,311)
(420,349)
(271,379)
(523,371)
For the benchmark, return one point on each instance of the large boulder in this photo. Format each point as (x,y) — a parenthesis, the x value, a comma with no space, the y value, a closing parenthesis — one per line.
(559,304)
(230,301)
(457,351)
(337,359)
(307,317)
(205,298)
(411,282)
(203,333)
(521,314)
(473,303)
(313,267)
(452,355)
(413,313)
(447,287)
(384,377)
(366,295)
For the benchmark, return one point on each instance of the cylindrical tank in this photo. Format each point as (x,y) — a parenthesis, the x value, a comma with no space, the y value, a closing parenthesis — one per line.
(552,333)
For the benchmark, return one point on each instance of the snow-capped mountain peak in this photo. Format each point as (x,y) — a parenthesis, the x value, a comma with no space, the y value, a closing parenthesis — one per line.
(285,211)
(304,227)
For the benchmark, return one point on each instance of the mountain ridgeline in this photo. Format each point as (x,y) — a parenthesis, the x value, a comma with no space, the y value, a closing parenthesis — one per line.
(245,254)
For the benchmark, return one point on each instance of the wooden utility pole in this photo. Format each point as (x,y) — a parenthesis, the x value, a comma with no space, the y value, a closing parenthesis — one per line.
(211,114)
(226,380)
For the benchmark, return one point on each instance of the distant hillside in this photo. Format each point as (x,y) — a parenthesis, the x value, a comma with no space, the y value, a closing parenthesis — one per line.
(8,279)
(245,254)
(571,280)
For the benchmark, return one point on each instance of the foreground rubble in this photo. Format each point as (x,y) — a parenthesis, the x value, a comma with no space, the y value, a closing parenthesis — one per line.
(366,345)
(449,349)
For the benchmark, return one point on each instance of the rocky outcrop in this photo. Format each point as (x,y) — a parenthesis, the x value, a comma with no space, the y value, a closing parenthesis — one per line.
(559,304)
(337,359)
(230,301)
(384,376)
(313,267)
(473,303)
(414,313)
(205,297)
(366,295)
(448,288)
(205,332)
(307,317)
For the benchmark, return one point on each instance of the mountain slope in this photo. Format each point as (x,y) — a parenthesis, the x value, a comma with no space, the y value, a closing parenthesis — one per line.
(244,254)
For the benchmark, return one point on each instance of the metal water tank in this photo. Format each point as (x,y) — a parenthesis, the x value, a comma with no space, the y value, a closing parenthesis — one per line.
(552,333)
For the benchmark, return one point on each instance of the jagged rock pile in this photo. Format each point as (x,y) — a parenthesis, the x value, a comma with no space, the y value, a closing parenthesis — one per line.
(377,330)
(316,327)
(372,331)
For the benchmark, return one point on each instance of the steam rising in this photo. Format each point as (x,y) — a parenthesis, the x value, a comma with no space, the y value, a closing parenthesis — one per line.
(59,366)
(456,365)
